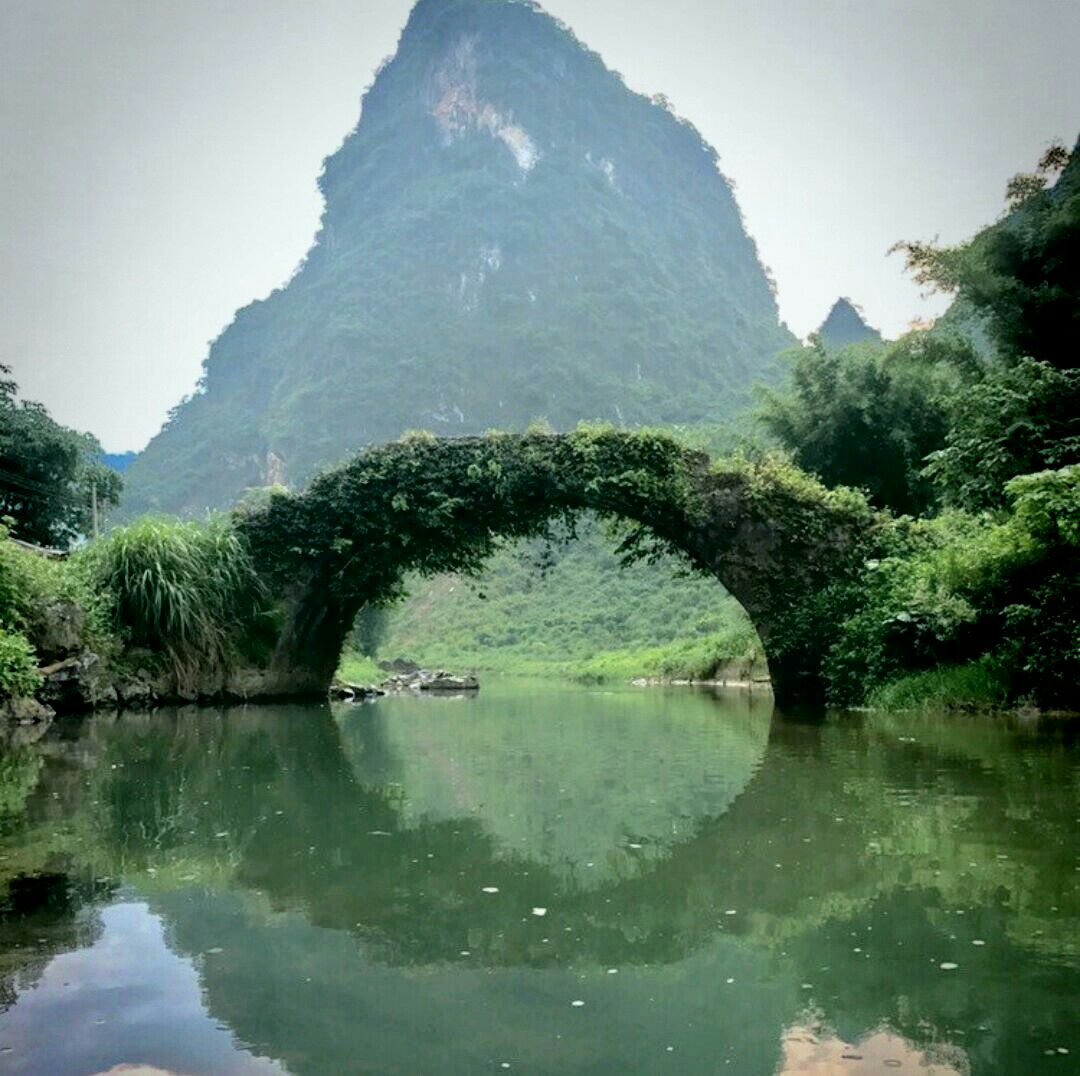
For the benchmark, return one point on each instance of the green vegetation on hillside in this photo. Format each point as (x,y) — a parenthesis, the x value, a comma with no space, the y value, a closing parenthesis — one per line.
(509,234)
(572,609)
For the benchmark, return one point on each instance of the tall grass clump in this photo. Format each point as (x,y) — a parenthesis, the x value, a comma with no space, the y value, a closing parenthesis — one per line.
(974,686)
(184,589)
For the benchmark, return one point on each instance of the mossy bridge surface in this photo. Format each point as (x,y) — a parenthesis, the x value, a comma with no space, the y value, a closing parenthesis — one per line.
(772,536)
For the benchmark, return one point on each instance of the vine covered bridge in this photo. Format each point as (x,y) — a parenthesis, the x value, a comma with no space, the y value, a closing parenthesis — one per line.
(771,535)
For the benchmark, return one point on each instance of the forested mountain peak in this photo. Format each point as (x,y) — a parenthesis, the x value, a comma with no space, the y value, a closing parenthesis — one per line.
(509,233)
(845,325)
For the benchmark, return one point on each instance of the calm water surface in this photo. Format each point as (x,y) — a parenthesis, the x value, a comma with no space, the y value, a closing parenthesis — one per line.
(541,879)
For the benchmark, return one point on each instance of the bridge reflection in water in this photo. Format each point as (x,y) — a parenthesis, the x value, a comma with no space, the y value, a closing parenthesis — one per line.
(429,886)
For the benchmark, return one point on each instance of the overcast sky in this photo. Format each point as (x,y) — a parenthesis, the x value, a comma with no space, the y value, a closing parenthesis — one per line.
(158,157)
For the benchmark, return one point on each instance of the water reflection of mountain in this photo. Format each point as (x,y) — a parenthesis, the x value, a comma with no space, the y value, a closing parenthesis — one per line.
(856,858)
(598,795)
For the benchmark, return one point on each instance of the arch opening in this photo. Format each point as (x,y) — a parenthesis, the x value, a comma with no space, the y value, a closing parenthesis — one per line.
(566,605)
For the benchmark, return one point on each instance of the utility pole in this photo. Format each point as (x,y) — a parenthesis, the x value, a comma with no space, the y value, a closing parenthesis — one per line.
(93,504)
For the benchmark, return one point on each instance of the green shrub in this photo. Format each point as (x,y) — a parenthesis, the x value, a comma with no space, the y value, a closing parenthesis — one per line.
(26,582)
(954,589)
(681,659)
(29,583)
(1047,504)
(976,685)
(185,589)
(19,674)
(1012,421)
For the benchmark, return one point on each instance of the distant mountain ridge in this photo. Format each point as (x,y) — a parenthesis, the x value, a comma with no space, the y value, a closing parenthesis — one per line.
(118,461)
(509,234)
(845,325)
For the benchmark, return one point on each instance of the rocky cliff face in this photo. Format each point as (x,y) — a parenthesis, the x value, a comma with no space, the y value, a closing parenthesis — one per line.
(509,234)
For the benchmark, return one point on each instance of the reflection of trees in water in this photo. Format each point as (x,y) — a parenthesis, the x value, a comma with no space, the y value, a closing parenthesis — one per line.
(298,826)
(568,783)
(48,900)
(877,853)
(42,915)
(19,771)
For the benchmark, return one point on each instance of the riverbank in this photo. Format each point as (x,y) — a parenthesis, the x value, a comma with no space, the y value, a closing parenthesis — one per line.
(704,659)
(958,613)
(159,613)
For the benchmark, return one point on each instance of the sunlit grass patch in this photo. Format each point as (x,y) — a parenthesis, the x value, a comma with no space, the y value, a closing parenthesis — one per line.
(359,669)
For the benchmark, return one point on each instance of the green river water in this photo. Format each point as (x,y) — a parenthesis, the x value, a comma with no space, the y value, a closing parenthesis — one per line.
(541,879)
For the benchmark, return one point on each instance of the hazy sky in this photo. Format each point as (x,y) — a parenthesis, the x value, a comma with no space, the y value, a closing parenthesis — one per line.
(158,157)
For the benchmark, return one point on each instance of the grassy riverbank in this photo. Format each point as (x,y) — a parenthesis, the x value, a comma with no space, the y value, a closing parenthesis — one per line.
(695,659)
(160,606)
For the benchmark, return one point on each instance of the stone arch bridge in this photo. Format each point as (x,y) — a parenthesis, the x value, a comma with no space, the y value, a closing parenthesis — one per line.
(771,535)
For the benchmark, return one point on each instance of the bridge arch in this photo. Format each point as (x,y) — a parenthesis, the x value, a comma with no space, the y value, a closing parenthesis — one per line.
(771,535)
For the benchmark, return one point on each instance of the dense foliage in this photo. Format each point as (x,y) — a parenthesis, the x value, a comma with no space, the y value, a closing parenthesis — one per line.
(429,505)
(49,474)
(958,589)
(18,665)
(941,417)
(461,281)
(1011,421)
(977,605)
(30,585)
(867,416)
(1021,276)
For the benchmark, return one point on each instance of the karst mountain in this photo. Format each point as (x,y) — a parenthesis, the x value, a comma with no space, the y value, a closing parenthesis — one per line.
(510,234)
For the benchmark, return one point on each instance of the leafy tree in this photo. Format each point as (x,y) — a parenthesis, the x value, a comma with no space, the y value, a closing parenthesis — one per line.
(867,416)
(48,473)
(1022,274)
(1001,591)
(1011,422)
